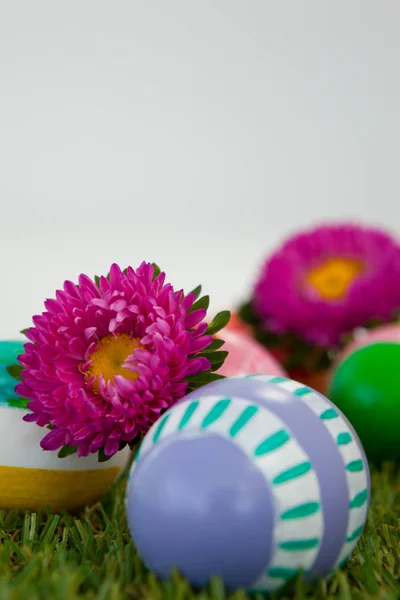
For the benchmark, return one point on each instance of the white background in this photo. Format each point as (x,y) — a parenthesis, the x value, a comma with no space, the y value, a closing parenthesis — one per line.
(193,134)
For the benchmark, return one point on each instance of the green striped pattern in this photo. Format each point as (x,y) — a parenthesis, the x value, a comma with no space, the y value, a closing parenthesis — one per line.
(266,440)
(292,473)
(355,534)
(301,511)
(274,450)
(160,427)
(278,379)
(353,463)
(344,438)
(273,442)
(188,414)
(302,391)
(298,545)
(359,499)
(355,466)
(248,413)
(330,413)
(282,573)
(216,412)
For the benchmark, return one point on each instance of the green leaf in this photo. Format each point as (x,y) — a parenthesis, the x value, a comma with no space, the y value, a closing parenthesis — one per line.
(194,386)
(324,362)
(157,271)
(247,314)
(15,371)
(196,291)
(67,451)
(216,359)
(219,322)
(216,376)
(203,302)
(135,442)
(97,280)
(216,344)
(18,402)
(102,457)
(200,379)
(24,331)
(269,340)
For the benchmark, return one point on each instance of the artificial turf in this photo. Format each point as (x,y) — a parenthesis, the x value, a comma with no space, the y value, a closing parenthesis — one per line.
(91,556)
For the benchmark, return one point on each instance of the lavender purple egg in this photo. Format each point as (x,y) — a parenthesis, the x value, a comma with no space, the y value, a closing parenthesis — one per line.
(251,479)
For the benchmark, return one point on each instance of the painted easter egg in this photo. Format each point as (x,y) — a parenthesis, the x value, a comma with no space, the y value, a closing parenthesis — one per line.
(31,478)
(365,387)
(251,479)
(236,324)
(247,356)
(384,333)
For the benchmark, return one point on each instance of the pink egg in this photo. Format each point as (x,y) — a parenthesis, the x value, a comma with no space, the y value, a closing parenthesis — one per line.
(384,333)
(247,357)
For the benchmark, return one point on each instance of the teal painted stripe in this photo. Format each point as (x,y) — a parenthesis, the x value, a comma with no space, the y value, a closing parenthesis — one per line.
(242,420)
(191,409)
(273,442)
(355,535)
(292,473)
(216,412)
(330,413)
(138,453)
(344,438)
(303,391)
(355,465)
(359,500)
(159,429)
(278,379)
(299,545)
(282,573)
(301,511)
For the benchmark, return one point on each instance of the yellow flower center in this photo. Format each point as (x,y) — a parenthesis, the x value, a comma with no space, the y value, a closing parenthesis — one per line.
(109,357)
(333,277)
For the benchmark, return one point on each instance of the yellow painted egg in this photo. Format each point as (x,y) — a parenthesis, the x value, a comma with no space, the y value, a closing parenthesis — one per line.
(32,478)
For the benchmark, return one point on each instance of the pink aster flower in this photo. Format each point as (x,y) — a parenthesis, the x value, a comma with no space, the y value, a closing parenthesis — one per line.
(109,356)
(324,283)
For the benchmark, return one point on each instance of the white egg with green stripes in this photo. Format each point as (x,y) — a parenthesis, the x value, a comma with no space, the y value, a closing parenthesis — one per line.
(313,466)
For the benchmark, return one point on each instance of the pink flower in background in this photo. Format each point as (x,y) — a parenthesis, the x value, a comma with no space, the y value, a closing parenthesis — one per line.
(107,357)
(324,283)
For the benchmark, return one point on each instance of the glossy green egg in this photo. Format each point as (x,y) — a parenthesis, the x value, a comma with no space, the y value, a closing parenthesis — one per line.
(366,388)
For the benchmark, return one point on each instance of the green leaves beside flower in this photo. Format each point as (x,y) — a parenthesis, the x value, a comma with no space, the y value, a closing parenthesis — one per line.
(294,353)
(101,456)
(15,371)
(203,302)
(157,271)
(16,401)
(67,451)
(212,352)
(219,322)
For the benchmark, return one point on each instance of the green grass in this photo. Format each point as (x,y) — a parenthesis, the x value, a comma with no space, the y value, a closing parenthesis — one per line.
(46,556)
